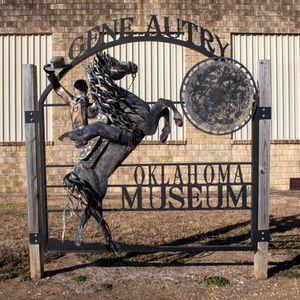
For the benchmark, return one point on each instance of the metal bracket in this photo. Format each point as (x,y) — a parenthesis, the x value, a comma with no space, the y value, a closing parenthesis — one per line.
(263,113)
(33,116)
(37,238)
(261,235)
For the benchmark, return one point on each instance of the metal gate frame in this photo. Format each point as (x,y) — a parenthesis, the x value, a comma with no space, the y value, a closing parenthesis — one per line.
(262,113)
(42,238)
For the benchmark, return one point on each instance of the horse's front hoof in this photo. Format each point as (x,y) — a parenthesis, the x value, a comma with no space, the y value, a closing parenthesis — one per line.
(63,136)
(178,121)
(164,134)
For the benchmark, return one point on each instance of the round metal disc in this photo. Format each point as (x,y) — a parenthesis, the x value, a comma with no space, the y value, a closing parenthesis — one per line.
(218,95)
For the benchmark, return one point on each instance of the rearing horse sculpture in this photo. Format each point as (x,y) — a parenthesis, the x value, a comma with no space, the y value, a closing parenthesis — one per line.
(122,121)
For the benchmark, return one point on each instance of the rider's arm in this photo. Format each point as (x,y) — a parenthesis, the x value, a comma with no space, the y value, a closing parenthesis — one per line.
(60,90)
(64,94)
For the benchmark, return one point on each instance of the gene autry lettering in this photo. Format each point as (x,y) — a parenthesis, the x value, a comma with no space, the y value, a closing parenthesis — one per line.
(158,29)
(187,186)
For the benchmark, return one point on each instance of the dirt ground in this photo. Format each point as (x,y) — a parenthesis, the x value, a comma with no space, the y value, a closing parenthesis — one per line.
(208,275)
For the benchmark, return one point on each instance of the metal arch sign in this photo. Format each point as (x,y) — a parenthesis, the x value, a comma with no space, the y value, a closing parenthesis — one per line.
(198,38)
(158,29)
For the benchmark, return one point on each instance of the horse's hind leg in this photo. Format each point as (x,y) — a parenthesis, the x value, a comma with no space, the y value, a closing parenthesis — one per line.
(96,210)
(98,215)
(83,220)
(88,184)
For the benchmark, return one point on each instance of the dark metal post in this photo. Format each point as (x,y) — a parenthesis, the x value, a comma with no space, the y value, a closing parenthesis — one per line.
(43,175)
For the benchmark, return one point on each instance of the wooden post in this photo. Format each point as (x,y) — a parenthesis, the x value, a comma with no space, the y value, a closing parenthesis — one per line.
(29,98)
(261,255)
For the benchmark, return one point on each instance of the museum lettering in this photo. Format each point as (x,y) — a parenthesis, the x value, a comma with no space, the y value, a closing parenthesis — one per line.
(190,186)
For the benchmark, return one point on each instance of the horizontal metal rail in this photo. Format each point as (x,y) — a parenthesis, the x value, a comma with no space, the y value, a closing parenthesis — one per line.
(153,209)
(64,104)
(160,164)
(158,185)
(60,166)
(70,246)
(54,104)
(182,185)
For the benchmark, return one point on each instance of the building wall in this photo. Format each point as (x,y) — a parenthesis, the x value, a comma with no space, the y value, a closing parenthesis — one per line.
(65,20)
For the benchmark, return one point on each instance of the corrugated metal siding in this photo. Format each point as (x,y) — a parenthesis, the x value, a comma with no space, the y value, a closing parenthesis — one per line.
(284,53)
(16,50)
(161,71)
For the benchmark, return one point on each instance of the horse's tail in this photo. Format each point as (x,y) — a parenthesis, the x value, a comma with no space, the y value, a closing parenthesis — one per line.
(83,191)
(79,189)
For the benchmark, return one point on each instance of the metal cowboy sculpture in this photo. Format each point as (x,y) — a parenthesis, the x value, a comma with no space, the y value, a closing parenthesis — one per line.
(122,120)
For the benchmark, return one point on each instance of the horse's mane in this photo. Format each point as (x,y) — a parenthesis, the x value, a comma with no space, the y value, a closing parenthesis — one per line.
(107,95)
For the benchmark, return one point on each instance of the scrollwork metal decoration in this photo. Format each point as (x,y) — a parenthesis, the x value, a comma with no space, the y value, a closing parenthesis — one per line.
(218,96)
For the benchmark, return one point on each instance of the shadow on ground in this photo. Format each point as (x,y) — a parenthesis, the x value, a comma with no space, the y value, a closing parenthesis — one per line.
(214,237)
